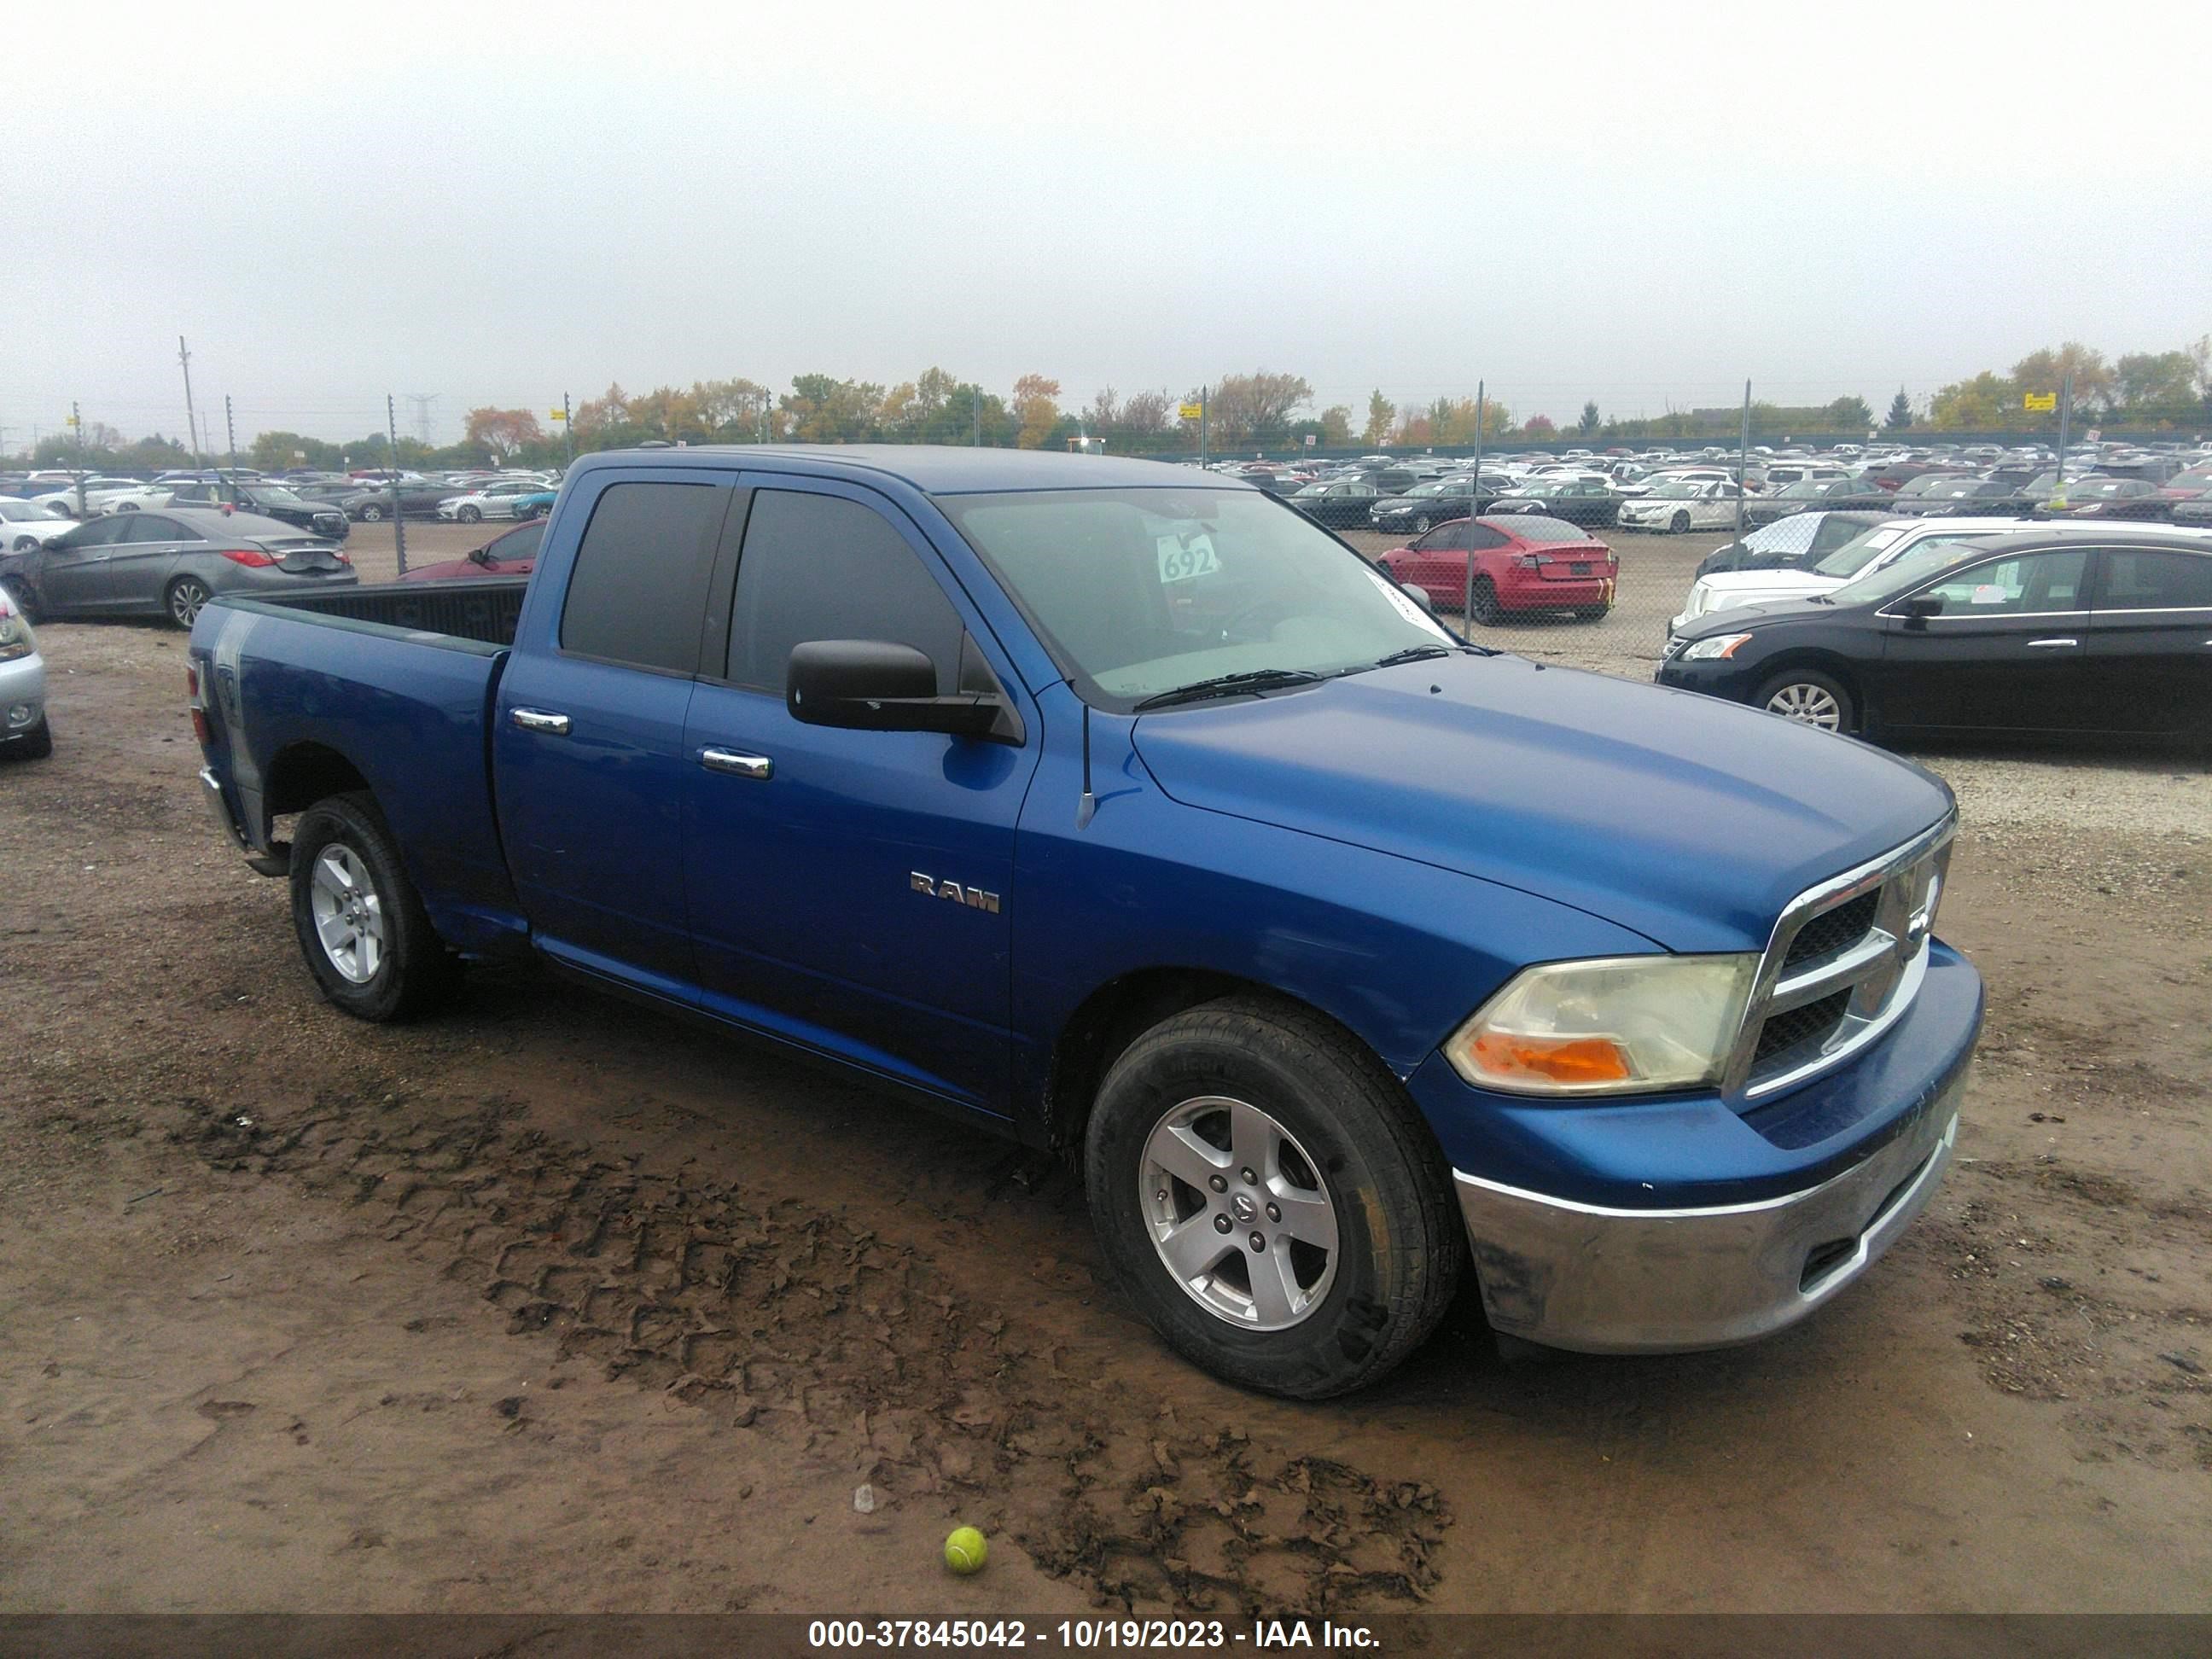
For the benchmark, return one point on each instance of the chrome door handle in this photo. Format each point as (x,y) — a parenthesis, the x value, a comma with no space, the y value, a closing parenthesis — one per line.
(735,764)
(2034,644)
(537,720)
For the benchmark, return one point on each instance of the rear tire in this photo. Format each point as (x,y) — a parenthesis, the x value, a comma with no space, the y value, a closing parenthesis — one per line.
(1361,1248)
(360,923)
(1420,526)
(1810,697)
(469,514)
(1679,523)
(371,514)
(20,596)
(182,601)
(1485,608)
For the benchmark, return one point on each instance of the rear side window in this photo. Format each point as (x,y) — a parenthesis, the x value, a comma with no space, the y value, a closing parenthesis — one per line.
(824,568)
(2140,579)
(638,594)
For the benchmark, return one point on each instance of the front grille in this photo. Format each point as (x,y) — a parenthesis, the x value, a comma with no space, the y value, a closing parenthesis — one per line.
(1798,1027)
(1833,931)
(1819,998)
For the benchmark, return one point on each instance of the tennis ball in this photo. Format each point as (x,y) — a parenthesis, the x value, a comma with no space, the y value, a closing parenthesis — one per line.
(964,1550)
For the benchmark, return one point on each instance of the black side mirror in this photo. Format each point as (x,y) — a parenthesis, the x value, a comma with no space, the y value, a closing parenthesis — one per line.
(1920,607)
(874,685)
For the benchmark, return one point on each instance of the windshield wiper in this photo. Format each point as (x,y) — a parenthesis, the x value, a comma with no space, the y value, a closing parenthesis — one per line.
(1228,685)
(1411,654)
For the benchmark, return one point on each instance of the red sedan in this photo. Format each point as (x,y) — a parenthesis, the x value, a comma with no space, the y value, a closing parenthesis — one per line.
(514,554)
(1522,562)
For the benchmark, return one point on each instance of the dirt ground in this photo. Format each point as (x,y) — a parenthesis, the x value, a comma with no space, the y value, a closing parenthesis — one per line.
(552,1305)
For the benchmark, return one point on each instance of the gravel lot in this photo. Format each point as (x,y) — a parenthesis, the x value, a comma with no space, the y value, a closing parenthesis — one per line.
(551,1304)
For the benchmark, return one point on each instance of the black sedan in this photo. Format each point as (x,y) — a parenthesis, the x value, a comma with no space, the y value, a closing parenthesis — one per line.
(1944,495)
(1591,502)
(1341,503)
(2042,632)
(1812,496)
(268,500)
(2100,497)
(1425,506)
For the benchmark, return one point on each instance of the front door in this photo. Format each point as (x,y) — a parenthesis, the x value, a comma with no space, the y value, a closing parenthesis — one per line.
(851,890)
(73,571)
(2007,652)
(588,744)
(2150,640)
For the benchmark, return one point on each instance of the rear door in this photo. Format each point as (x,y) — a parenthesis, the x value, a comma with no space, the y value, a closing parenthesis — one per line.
(2008,653)
(2150,640)
(141,563)
(822,863)
(588,745)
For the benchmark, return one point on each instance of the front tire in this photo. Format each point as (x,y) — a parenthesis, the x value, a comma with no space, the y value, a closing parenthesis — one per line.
(1679,524)
(184,599)
(1810,697)
(38,742)
(20,597)
(1420,526)
(360,923)
(1341,1246)
(469,514)
(371,514)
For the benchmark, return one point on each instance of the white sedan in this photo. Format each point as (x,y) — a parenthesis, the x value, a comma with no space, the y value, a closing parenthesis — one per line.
(1682,504)
(491,500)
(25,526)
(96,492)
(127,501)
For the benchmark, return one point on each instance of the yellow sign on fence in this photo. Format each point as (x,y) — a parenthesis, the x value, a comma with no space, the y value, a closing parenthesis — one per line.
(1191,412)
(2039,400)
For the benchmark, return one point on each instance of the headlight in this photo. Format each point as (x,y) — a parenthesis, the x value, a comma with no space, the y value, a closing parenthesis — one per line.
(1719,645)
(1613,1025)
(15,637)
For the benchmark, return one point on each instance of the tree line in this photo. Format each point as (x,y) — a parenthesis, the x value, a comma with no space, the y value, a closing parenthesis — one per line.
(1265,410)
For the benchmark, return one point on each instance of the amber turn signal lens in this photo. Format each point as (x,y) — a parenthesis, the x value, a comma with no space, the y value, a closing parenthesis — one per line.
(1556,1059)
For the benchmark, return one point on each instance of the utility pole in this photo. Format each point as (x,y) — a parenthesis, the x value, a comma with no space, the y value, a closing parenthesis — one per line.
(230,431)
(975,417)
(398,518)
(568,428)
(1202,425)
(76,420)
(1473,505)
(2065,420)
(1743,461)
(192,419)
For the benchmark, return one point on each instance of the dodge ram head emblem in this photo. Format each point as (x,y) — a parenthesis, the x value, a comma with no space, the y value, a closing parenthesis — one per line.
(974,898)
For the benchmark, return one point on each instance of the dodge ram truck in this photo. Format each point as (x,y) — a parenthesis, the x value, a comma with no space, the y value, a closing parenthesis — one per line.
(1123,811)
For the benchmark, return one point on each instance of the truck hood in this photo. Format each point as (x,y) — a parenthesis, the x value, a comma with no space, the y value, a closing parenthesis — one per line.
(1691,820)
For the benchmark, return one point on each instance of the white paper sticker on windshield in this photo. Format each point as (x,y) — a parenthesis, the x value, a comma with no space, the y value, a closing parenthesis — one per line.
(1407,607)
(1989,594)
(1185,558)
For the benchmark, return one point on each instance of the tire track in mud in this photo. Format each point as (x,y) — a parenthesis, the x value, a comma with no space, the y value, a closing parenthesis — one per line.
(773,1314)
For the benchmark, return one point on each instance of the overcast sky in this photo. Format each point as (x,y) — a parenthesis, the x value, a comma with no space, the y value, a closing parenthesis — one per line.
(1645,206)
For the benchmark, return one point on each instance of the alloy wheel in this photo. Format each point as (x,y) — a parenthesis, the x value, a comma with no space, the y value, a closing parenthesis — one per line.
(1240,1215)
(348,914)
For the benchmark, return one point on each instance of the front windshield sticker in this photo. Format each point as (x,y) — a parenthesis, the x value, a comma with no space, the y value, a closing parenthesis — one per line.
(1405,607)
(1185,558)
(1989,594)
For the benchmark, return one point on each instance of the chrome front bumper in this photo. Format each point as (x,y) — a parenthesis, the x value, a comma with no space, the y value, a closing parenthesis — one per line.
(1580,1276)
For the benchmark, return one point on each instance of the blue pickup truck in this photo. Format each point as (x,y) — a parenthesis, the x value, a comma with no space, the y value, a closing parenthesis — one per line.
(1120,810)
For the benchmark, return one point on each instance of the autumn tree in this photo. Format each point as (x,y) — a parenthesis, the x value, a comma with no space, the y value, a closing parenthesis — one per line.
(1381,412)
(1036,407)
(818,409)
(1254,408)
(2095,386)
(1336,426)
(501,431)
(2157,385)
(1540,428)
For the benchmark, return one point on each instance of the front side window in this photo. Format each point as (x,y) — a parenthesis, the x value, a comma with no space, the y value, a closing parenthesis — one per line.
(2032,583)
(1140,590)
(826,568)
(639,589)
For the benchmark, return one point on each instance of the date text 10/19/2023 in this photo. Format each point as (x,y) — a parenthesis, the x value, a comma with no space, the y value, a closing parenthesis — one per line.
(1261,1636)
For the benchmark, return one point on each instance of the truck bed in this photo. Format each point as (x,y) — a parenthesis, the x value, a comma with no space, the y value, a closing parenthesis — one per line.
(485,612)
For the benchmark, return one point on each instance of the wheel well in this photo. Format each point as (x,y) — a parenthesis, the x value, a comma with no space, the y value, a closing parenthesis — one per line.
(305,773)
(1834,667)
(1115,1015)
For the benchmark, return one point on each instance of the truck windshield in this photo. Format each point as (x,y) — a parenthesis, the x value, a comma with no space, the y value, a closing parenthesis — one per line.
(1138,592)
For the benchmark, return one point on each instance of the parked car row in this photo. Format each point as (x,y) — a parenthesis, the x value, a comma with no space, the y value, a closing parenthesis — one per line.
(325,501)
(166,564)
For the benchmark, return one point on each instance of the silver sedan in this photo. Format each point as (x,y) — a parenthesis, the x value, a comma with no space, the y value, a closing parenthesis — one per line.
(168,564)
